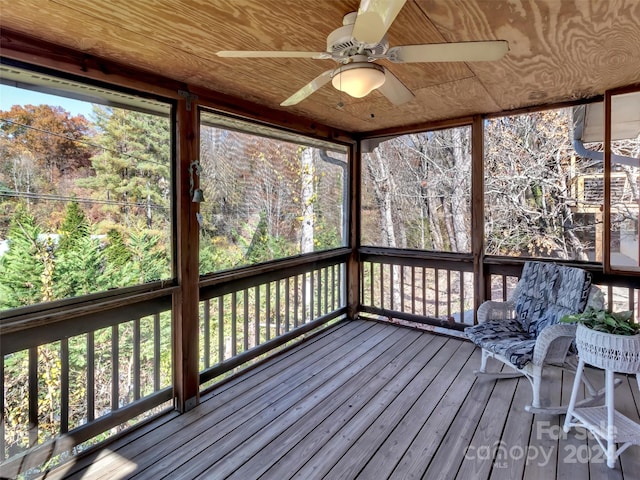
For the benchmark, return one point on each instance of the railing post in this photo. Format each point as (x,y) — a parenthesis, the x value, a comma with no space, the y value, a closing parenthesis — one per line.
(185,305)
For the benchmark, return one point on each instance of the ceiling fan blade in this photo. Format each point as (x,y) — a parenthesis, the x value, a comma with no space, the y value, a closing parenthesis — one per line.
(271,54)
(394,89)
(450,52)
(308,89)
(374,19)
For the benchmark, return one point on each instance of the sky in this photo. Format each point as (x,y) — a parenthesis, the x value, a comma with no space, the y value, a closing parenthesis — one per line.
(10,96)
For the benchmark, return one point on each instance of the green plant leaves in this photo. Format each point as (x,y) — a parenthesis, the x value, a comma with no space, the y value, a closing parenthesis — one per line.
(617,323)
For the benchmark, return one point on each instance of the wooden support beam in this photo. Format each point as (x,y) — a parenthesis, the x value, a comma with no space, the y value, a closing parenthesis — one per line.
(186,301)
(353,238)
(477,210)
(81,65)
(606,257)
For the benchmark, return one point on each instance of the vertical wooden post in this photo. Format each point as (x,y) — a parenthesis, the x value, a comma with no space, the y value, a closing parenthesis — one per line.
(606,241)
(477,211)
(185,305)
(600,243)
(353,235)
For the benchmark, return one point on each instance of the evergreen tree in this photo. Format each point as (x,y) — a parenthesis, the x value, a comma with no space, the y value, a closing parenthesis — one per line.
(151,261)
(259,246)
(133,170)
(75,227)
(21,268)
(118,271)
(78,259)
(265,246)
(77,270)
(48,264)
(217,253)
(116,251)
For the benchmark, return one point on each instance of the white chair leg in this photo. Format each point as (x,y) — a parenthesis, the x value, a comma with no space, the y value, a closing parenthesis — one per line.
(535,386)
(483,361)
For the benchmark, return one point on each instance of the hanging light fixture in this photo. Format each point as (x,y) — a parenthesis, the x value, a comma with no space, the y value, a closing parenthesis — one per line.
(358,79)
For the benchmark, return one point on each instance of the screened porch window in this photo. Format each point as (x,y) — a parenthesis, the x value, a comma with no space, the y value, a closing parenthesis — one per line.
(85,189)
(416,192)
(267,194)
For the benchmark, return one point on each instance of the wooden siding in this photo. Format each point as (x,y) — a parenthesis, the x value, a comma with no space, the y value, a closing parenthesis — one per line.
(364,400)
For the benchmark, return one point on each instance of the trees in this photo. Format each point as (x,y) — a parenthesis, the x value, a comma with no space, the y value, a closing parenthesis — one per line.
(528,174)
(417,190)
(49,157)
(150,260)
(263,198)
(132,171)
(78,259)
(307,174)
(117,258)
(63,244)
(22,267)
(421,186)
(48,134)
(43,149)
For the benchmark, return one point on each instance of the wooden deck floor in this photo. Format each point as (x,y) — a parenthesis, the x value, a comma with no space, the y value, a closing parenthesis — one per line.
(370,401)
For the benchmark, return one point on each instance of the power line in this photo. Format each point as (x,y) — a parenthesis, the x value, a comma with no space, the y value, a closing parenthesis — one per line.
(82,142)
(62,198)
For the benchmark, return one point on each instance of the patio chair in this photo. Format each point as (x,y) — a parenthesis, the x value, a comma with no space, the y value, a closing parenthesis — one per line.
(524,332)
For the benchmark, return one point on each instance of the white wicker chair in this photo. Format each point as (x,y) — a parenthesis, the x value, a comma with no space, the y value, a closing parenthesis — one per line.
(551,345)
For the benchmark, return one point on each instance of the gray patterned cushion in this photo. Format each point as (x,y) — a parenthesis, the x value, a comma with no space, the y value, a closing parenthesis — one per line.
(547,293)
(504,337)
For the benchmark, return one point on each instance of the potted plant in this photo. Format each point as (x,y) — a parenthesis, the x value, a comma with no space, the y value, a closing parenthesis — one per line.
(608,340)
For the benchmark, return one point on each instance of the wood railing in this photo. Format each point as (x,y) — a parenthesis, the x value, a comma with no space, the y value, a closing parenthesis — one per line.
(111,357)
(621,292)
(78,371)
(251,311)
(429,288)
(80,374)
(437,289)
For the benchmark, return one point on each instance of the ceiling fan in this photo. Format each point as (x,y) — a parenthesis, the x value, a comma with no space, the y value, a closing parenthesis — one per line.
(361,41)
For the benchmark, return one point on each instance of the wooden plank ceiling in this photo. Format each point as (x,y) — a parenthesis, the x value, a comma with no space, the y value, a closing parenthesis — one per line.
(559,50)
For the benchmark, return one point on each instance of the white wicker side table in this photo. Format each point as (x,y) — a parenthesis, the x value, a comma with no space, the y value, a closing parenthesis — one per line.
(612,353)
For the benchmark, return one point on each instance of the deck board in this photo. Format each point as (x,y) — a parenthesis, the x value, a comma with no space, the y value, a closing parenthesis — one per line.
(517,427)
(451,449)
(437,422)
(330,455)
(190,453)
(545,436)
(572,442)
(276,421)
(398,442)
(379,375)
(219,404)
(489,428)
(369,443)
(324,422)
(363,400)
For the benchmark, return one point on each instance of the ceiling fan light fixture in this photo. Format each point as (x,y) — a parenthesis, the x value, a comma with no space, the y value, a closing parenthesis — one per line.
(358,79)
